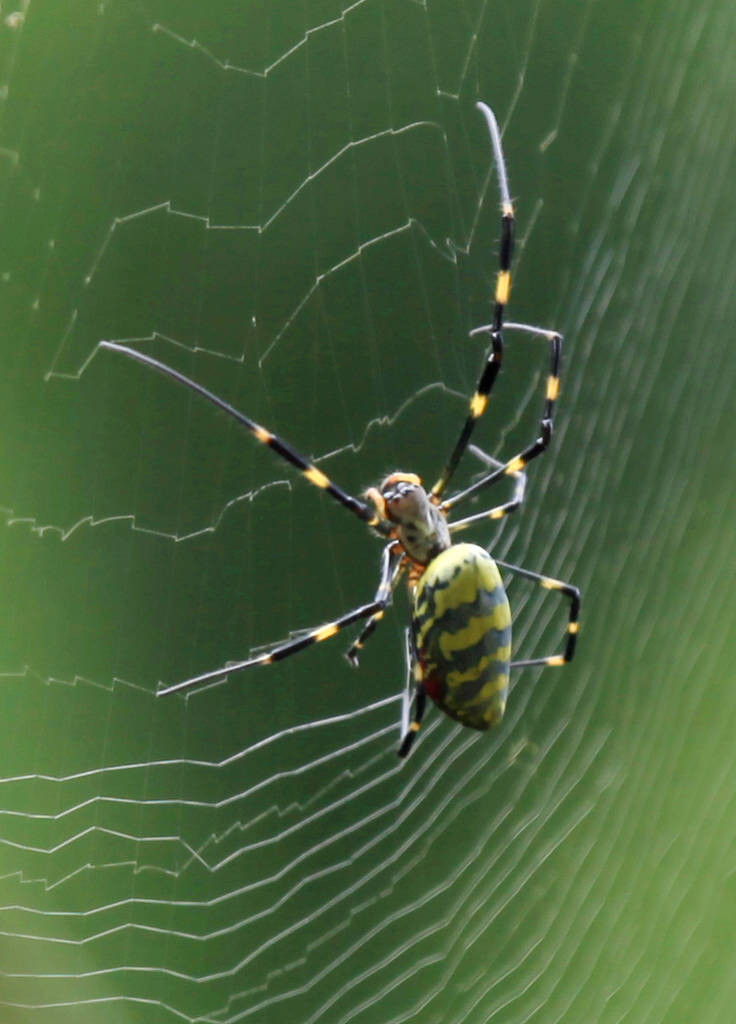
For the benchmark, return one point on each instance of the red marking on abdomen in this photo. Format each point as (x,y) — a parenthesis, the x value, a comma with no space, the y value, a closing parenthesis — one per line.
(433,686)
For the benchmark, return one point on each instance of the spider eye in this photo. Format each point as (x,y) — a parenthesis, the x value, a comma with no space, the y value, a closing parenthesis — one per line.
(398,485)
(399,490)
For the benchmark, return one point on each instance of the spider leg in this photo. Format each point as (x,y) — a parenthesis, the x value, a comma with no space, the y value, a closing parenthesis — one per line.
(520,461)
(478,405)
(283,650)
(314,475)
(499,511)
(479,401)
(353,652)
(411,726)
(573,626)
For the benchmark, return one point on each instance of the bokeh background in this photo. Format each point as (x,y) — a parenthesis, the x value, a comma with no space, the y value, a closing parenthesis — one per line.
(294,203)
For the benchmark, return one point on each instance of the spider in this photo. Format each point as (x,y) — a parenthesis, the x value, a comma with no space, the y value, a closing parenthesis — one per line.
(458,642)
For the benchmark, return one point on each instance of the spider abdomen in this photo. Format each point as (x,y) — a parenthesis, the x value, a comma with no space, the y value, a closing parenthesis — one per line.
(462,631)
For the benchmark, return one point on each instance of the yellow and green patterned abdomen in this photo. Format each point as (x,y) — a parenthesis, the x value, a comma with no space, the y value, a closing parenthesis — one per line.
(462,631)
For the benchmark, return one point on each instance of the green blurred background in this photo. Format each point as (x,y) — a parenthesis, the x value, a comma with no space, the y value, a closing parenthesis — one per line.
(293,203)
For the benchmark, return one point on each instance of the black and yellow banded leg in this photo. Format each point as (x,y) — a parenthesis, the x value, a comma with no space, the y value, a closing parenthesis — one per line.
(478,405)
(573,626)
(498,511)
(277,444)
(494,357)
(283,650)
(519,462)
(411,723)
(384,592)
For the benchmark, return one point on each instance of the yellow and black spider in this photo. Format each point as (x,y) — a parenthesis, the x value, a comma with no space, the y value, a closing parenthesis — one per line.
(458,643)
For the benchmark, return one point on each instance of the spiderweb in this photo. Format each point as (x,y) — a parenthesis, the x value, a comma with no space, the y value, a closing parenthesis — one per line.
(295,205)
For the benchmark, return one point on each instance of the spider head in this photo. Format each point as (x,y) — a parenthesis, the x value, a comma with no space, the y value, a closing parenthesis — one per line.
(403,496)
(420,526)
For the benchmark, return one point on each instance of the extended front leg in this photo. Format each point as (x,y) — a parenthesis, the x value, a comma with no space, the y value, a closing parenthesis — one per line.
(494,356)
(277,444)
(389,564)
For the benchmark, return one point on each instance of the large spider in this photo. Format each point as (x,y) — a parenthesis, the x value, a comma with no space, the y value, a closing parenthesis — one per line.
(458,643)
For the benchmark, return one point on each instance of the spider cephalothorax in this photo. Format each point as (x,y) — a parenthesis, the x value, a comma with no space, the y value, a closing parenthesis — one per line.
(458,641)
(420,526)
